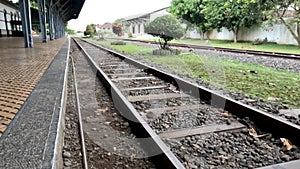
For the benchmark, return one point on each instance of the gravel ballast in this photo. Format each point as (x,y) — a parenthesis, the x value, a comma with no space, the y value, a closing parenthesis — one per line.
(277,63)
(109,140)
(238,149)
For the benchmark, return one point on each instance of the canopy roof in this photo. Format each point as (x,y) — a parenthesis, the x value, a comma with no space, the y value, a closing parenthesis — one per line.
(68,9)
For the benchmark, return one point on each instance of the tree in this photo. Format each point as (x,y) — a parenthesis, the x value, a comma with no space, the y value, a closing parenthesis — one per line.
(165,27)
(94,28)
(69,31)
(279,10)
(89,30)
(34,5)
(233,14)
(117,28)
(191,11)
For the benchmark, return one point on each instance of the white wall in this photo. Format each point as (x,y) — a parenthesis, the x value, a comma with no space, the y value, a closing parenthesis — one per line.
(192,34)
(136,26)
(277,33)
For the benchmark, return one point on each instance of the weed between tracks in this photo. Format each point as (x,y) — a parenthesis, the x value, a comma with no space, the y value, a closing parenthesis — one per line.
(268,84)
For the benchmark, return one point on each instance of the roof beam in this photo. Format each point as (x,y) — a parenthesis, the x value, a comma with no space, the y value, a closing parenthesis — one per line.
(64,11)
(67,2)
(55,3)
(66,17)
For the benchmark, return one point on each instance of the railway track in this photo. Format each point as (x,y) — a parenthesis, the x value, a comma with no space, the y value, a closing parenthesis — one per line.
(80,123)
(182,125)
(220,49)
(90,116)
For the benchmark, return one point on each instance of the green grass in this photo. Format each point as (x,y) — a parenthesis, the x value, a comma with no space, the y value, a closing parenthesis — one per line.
(237,77)
(231,75)
(269,47)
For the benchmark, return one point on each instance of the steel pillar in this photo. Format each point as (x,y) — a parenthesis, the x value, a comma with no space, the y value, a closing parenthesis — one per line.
(42,16)
(61,28)
(50,19)
(55,23)
(26,22)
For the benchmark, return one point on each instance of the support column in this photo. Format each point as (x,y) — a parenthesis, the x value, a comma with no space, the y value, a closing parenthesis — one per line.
(57,26)
(50,19)
(61,28)
(5,20)
(12,27)
(26,22)
(55,23)
(42,16)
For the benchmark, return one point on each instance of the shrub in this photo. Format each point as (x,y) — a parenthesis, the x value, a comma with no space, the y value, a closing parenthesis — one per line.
(118,43)
(166,52)
(259,42)
(165,27)
(130,35)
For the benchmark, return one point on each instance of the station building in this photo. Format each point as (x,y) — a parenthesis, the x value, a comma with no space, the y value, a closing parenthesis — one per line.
(9,12)
(277,32)
(135,24)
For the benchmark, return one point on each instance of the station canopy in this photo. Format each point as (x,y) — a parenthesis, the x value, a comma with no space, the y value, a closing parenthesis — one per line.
(68,9)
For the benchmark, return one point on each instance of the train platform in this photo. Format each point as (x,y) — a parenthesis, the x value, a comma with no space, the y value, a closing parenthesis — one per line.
(32,98)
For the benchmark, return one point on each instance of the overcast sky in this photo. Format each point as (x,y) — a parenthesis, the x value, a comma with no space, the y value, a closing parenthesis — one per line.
(101,11)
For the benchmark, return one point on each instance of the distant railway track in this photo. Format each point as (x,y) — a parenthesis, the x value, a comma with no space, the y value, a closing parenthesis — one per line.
(202,128)
(220,49)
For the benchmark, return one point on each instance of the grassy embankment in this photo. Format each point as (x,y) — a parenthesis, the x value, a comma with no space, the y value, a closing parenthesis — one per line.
(254,81)
(269,47)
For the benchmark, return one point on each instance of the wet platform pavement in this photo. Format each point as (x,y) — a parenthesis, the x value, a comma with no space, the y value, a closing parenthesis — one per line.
(32,102)
(20,70)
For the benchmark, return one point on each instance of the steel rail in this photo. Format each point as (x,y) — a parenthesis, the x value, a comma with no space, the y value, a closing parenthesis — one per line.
(164,158)
(83,149)
(265,121)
